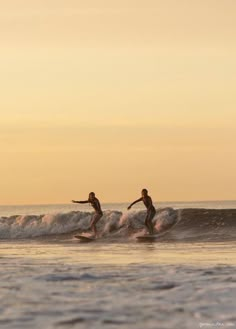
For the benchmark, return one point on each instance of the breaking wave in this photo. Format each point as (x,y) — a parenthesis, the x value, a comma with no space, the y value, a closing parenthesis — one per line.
(31,226)
(177,225)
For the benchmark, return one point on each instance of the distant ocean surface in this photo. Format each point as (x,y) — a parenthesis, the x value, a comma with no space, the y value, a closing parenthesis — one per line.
(184,279)
(12,210)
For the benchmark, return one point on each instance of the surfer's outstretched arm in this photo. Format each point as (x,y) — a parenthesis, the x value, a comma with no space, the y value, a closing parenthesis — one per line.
(140,199)
(86,201)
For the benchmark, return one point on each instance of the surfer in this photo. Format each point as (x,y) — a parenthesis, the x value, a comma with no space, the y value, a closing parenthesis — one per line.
(151,211)
(98,211)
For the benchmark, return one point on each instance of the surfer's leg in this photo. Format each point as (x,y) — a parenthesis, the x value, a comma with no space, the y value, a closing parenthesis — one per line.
(94,221)
(148,220)
(151,218)
(147,224)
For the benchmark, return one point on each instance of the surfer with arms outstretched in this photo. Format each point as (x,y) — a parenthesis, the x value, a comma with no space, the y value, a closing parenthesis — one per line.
(151,211)
(98,211)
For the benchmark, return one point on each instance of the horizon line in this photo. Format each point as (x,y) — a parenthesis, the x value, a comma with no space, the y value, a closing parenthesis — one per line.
(112,202)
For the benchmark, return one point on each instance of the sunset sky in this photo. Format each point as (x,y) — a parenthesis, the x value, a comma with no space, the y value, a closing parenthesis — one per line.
(114,96)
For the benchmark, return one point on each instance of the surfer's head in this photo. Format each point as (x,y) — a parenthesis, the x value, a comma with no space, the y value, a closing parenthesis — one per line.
(144,192)
(91,195)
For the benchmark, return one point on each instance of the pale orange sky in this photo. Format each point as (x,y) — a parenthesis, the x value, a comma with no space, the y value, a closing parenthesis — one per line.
(113,96)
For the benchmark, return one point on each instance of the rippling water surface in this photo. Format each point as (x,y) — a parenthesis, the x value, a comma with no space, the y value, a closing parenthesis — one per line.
(117,285)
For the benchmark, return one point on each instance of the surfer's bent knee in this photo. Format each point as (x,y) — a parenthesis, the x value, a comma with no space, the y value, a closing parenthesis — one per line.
(96,218)
(150,215)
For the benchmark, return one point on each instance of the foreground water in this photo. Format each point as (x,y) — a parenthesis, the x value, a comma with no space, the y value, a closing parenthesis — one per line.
(184,279)
(125,285)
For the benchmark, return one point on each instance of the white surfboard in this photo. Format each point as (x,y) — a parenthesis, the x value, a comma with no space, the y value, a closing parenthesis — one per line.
(84,238)
(147,237)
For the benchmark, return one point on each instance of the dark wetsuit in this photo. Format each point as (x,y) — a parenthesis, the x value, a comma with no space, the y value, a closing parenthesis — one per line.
(98,211)
(151,211)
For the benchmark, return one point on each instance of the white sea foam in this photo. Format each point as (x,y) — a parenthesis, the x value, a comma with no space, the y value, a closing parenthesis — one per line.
(128,286)
(30,226)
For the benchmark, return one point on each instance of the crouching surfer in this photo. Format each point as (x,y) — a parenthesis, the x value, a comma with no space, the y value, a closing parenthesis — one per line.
(151,211)
(98,211)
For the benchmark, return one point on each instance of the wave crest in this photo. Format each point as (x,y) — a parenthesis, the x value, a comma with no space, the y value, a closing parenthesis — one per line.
(31,226)
(177,225)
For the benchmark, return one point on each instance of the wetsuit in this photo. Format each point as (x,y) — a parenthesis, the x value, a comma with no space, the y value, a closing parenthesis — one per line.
(98,211)
(151,212)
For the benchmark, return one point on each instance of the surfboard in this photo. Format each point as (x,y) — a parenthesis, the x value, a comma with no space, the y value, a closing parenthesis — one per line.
(84,238)
(147,237)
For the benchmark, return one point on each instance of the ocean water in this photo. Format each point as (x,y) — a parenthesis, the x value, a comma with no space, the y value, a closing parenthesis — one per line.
(184,279)
(12,210)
